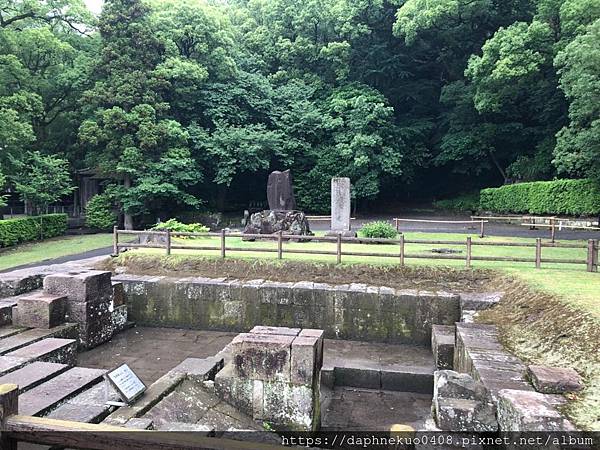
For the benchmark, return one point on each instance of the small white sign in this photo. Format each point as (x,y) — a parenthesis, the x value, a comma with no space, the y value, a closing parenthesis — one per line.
(127,383)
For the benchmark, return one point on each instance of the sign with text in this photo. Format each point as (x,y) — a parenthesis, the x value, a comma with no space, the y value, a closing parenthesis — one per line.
(126,382)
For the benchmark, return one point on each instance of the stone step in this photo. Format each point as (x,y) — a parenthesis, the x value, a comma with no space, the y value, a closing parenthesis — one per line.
(27,337)
(49,350)
(42,399)
(33,375)
(392,367)
(89,406)
(11,330)
(11,363)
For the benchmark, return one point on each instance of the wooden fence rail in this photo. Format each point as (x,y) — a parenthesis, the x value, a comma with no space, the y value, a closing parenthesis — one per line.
(166,243)
(480,222)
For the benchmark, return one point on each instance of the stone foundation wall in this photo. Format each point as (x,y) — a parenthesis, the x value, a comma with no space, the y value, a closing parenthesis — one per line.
(354,311)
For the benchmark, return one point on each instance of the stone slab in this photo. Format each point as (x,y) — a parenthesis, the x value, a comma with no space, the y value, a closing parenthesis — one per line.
(140,424)
(11,363)
(304,360)
(409,379)
(554,380)
(340,204)
(89,406)
(530,411)
(285,331)
(10,330)
(16,341)
(49,350)
(33,375)
(478,301)
(200,369)
(43,398)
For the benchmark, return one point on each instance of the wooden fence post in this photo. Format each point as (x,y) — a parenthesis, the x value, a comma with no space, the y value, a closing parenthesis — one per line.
(553,230)
(592,256)
(339,248)
(9,405)
(402,250)
(116,240)
(482,229)
(168,243)
(223,243)
(468,252)
(280,245)
(538,253)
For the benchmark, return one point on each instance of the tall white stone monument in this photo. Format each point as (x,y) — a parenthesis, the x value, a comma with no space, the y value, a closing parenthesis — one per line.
(340,207)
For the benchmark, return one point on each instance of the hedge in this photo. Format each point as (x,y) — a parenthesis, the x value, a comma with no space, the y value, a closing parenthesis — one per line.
(15,231)
(571,197)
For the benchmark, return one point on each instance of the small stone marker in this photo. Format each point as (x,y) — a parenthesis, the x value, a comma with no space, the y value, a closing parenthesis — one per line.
(340,206)
(126,382)
(554,380)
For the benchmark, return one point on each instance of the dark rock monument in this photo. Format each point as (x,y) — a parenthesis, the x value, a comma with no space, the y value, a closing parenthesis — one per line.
(280,192)
(282,214)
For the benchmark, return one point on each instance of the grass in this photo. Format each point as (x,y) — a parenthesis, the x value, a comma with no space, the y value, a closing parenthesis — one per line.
(569,281)
(52,248)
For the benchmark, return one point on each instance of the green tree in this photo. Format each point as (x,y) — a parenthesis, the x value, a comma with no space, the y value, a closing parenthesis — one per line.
(578,148)
(42,180)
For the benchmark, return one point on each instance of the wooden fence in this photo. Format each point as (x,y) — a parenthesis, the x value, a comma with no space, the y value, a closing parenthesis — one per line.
(472,222)
(165,242)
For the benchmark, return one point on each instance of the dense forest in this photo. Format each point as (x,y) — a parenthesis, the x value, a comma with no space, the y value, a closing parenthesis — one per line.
(185,104)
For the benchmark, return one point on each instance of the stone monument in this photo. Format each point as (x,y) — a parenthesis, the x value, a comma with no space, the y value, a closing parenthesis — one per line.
(340,208)
(282,214)
(280,192)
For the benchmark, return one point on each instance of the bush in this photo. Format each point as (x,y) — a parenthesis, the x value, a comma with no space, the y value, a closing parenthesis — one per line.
(99,212)
(380,229)
(15,231)
(465,202)
(175,225)
(571,197)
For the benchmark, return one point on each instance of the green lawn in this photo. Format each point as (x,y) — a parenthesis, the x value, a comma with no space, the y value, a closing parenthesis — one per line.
(52,248)
(570,281)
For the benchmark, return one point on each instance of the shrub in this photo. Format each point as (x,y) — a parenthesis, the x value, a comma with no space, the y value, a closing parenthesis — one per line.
(380,229)
(99,212)
(15,231)
(572,197)
(175,225)
(464,202)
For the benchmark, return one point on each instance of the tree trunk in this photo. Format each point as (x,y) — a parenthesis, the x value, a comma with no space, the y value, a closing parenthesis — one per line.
(128,218)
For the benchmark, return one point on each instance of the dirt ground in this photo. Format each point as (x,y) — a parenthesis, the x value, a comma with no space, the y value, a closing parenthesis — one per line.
(426,278)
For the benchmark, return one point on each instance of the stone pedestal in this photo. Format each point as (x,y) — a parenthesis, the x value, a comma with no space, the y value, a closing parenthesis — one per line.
(274,376)
(89,296)
(290,223)
(340,208)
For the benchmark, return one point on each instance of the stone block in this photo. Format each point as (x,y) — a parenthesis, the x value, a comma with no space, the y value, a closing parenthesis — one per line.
(259,329)
(320,335)
(262,356)
(56,350)
(86,286)
(450,384)
(442,345)
(6,308)
(118,294)
(554,380)
(119,318)
(409,379)
(457,414)
(236,391)
(139,424)
(41,310)
(357,377)
(85,313)
(479,301)
(19,282)
(530,411)
(291,407)
(200,370)
(94,333)
(303,369)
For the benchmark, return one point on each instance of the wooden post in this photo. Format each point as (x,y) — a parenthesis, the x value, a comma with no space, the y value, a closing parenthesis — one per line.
(339,248)
(592,256)
(402,250)
(223,243)
(538,253)
(482,228)
(468,252)
(9,406)
(168,243)
(397,224)
(553,229)
(280,245)
(116,240)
